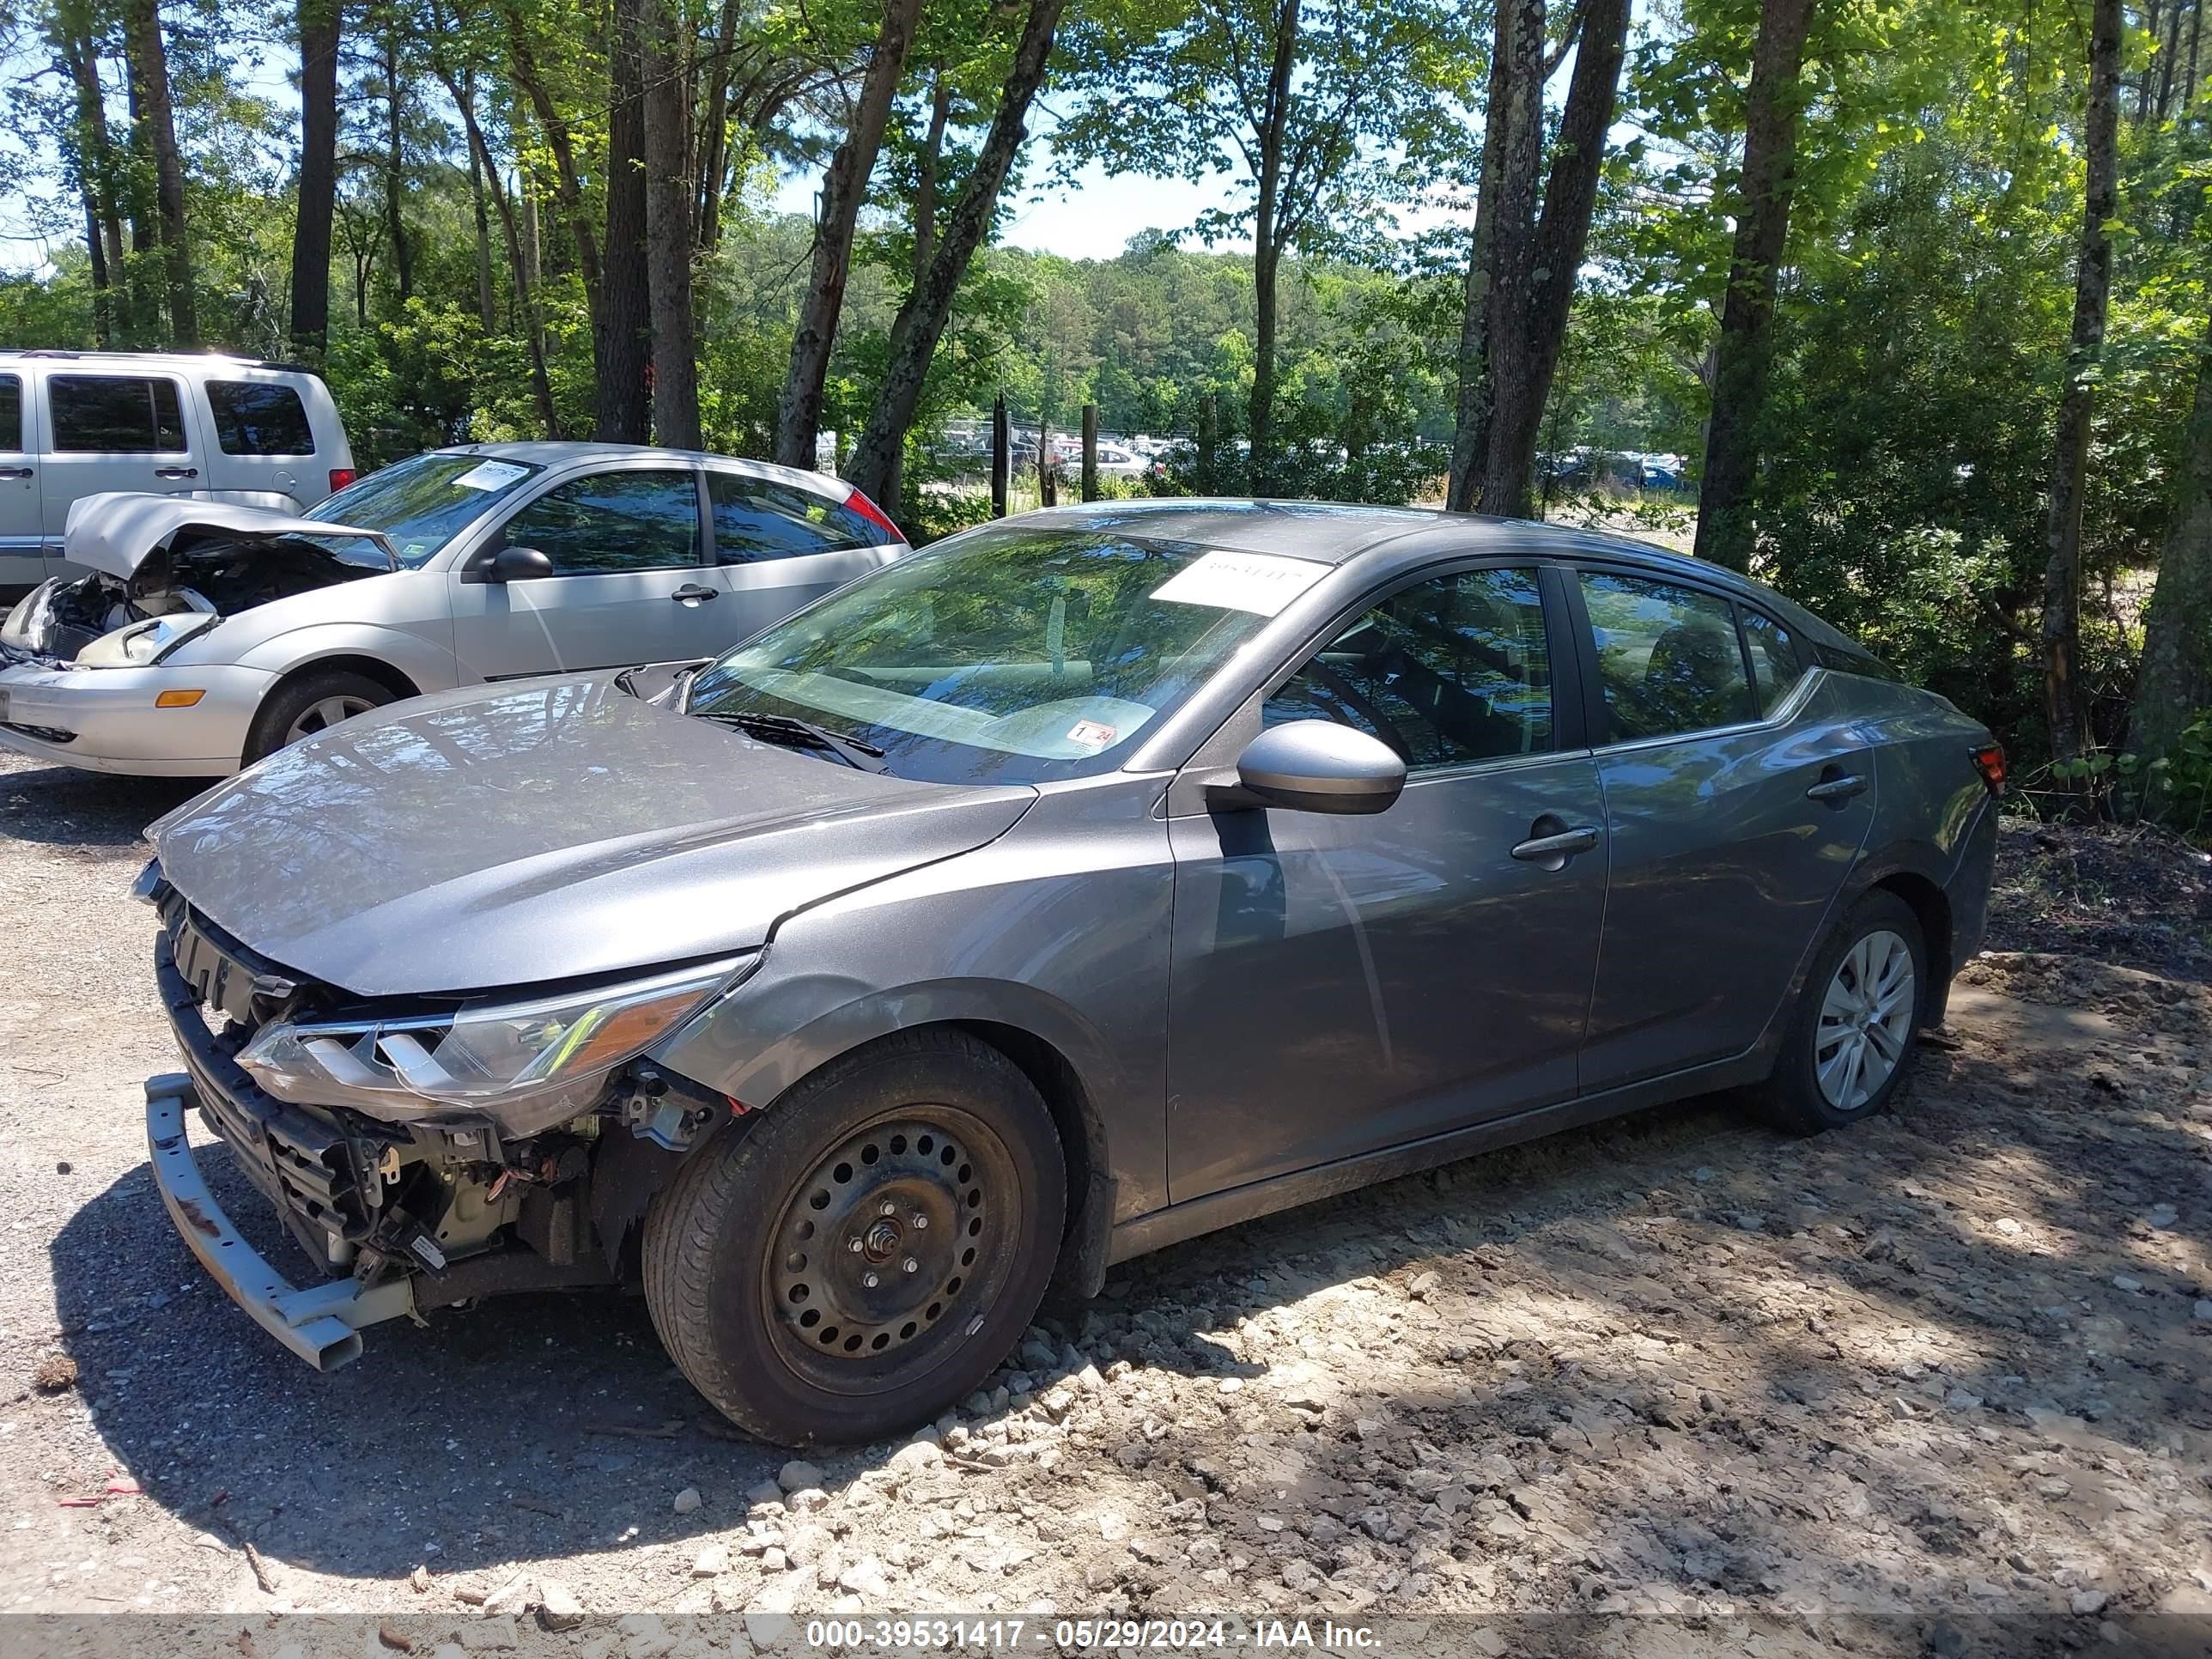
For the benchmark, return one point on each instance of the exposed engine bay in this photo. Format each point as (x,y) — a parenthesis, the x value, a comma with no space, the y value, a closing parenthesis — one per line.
(164,568)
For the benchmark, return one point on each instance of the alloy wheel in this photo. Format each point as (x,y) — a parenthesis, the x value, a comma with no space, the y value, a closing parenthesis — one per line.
(324,714)
(1866,1020)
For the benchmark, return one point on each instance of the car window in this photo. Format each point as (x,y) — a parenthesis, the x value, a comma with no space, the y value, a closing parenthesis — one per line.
(613,521)
(757,519)
(1447,672)
(11,412)
(1776,665)
(1667,657)
(115,414)
(253,418)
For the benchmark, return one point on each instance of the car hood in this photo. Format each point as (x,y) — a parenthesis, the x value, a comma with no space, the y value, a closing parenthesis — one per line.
(115,532)
(559,829)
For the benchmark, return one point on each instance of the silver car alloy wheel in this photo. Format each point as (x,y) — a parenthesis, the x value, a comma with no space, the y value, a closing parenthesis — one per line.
(325,713)
(1866,1020)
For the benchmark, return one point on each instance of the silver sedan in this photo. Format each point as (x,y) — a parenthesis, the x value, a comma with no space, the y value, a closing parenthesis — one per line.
(208,636)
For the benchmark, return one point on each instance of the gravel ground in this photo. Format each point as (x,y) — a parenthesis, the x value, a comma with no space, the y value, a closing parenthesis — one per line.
(1950,1365)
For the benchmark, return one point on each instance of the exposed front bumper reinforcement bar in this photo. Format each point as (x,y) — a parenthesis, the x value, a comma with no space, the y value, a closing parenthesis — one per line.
(319,1323)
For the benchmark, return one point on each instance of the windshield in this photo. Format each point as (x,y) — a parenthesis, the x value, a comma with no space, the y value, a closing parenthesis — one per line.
(1006,655)
(424,503)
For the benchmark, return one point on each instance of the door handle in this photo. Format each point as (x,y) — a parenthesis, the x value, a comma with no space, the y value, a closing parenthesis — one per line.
(690,592)
(1838,788)
(14,472)
(176,472)
(1553,848)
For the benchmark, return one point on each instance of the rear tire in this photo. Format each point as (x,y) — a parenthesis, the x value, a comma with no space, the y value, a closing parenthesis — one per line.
(308,705)
(857,1259)
(1856,1030)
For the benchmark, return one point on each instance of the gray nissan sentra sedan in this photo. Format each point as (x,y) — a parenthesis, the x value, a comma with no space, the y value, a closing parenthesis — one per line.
(1075,885)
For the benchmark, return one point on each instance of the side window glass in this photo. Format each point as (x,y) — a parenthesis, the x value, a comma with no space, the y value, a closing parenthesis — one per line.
(253,418)
(1667,657)
(1776,664)
(11,412)
(613,521)
(115,415)
(757,519)
(1447,672)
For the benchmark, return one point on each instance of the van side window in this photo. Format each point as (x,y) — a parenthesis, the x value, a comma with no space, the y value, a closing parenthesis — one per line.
(115,415)
(11,412)
(253,418)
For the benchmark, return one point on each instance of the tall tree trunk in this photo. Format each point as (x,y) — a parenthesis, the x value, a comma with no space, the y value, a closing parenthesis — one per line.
(668,234)
(1267,243)
(1558,241)
(715,131)
(798,411)
(95,170)
(1512,141)
(926,168)
(567,179)
(395,183)
(319,24)
(487,300)
(920,320)
(149,64)
(622,326)
(2176,681)
(2169,59)
(1743,353)
(2195,29)
(2092,282)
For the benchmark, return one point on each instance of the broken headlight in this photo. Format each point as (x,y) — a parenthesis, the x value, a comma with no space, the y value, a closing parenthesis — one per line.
(529,1064)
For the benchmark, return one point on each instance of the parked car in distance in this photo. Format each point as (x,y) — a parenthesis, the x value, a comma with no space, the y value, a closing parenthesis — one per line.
(198,425)
(840,996)
(206,636)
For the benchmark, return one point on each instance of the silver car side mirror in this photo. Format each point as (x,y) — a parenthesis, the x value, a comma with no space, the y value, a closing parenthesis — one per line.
(1318,766)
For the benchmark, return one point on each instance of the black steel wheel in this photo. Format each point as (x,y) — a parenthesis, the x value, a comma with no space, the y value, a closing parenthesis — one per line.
(861,1256)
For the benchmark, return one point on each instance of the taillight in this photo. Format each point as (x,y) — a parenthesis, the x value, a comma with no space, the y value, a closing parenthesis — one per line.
(341,477)
(1991,763)
(875,515)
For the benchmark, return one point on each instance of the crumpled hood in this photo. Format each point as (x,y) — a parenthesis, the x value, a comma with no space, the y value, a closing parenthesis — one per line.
(115,532)
(464,842)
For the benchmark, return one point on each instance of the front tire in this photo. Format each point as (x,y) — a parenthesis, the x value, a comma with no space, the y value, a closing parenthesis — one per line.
(1856,1028)
(310,704)
(861,1257)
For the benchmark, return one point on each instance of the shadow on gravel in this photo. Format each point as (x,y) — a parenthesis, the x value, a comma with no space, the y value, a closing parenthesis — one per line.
(63,807)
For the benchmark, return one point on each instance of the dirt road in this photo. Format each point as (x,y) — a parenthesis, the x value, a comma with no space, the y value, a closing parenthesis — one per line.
(1952,1363)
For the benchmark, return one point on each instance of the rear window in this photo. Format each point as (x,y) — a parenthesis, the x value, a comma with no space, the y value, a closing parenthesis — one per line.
(116,415)
(11,412)
(1776,664)
(757,519)
(253,418)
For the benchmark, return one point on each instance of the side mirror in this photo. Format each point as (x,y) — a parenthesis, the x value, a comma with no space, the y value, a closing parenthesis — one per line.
(1318,766)
(517,564)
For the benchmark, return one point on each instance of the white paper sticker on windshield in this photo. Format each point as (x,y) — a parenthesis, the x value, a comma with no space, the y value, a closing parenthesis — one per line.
(1261,583)
(492,475)
(1092,734)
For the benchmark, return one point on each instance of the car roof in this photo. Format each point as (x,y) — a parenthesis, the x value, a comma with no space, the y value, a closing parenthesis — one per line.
(562,451)
(1338,533)
(217,360)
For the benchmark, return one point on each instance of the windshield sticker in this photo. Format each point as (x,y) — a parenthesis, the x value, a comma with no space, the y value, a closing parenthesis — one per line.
(413,551)
(492,475)
(1261,583)
(1092,734)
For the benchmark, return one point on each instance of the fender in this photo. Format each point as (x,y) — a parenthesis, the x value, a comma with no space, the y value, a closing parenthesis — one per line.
(430,666)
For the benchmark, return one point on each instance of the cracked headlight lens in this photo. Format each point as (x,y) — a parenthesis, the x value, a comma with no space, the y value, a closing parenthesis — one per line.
(534,1060)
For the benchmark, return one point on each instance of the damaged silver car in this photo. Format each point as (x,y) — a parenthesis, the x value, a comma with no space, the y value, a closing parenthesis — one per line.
(207,636)
(1073,885)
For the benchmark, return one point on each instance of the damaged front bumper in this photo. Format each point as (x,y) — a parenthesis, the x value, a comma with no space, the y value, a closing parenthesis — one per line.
(107,720)
(319,1323)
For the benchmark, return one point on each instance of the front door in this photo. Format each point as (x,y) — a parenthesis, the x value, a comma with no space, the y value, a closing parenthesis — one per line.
(23,553)
(1340,985)
(107,431)
(1735,803)
(628,584)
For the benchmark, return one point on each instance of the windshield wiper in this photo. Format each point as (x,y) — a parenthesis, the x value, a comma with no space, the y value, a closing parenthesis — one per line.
(853,752)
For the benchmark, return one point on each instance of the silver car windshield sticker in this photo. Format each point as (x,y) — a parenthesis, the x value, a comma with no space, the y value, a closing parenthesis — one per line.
(1261,583)
(492,475)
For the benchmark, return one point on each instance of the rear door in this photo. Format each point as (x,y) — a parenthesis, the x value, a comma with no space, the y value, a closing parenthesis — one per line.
(111,430)
(778,546)
(23,555)
(263,452)
(1737,797)
(629,584)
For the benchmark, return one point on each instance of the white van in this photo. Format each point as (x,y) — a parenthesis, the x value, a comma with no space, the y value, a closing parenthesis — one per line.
(214,428)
